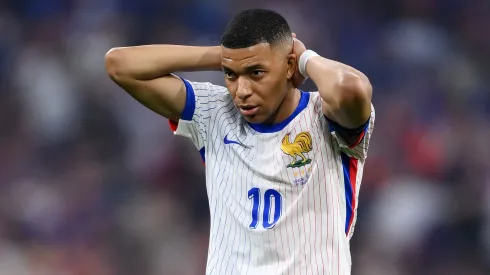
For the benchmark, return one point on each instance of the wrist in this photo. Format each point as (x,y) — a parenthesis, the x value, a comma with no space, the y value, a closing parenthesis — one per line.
(303,59)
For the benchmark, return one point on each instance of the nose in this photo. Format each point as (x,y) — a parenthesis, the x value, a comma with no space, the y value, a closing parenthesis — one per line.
(244,89)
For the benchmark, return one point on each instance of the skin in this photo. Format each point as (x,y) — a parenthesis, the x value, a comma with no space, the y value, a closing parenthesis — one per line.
(346,92)
(145,72)
(261,76)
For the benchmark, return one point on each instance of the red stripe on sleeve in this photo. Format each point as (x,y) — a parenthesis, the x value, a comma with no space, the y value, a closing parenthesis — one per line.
(353,179)
(173,125)
(361,136)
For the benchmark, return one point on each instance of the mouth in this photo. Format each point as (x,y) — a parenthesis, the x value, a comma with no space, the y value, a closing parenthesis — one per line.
(248,110)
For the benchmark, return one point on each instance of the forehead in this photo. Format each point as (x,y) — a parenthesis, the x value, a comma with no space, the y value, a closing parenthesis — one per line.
(257,54)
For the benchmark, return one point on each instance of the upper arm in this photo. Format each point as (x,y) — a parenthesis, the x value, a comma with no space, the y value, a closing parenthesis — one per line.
(354,141)
(165,95)
(349,101)
(349,109)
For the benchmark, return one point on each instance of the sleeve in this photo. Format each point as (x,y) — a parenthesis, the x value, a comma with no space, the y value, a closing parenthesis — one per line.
(202,99)
(359,148)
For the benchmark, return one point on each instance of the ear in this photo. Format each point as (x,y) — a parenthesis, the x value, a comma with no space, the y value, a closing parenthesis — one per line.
(292,64)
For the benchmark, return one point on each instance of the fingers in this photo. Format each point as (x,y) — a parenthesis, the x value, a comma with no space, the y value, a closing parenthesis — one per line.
(294,35)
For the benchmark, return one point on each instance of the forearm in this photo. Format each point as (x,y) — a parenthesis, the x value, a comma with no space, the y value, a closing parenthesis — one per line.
(346,92)
(154,61)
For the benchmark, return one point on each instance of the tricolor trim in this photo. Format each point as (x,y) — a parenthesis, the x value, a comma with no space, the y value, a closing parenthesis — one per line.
(349,166)
(189,107)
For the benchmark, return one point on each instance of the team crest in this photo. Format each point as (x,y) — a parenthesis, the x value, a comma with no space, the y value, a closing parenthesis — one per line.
(296,149)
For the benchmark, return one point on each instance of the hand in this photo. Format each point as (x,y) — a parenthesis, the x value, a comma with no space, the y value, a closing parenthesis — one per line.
(298,49)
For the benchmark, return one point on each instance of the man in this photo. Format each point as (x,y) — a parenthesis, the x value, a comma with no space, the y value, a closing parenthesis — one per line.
(283,167)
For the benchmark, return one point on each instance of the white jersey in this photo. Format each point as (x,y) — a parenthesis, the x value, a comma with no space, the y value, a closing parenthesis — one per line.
(282,197)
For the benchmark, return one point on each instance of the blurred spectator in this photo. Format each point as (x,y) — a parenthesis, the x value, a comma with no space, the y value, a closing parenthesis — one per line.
(93,183)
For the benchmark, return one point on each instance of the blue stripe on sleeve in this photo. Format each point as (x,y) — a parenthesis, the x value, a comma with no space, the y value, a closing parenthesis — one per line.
(334,126)
(190,101)
(348,190)
(203,154)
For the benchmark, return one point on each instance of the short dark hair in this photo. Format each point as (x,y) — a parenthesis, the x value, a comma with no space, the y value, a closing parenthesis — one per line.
(256,26)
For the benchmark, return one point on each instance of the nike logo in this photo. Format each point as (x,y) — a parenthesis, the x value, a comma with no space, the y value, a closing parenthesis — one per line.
(229,141)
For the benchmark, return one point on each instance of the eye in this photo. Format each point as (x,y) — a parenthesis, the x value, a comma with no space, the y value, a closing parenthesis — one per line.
(257,73)
(229,75)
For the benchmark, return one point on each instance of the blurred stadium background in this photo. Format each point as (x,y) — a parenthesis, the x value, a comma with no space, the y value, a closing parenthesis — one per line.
(93,183)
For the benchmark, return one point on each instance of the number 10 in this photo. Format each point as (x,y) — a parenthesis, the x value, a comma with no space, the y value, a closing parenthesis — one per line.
(254,195)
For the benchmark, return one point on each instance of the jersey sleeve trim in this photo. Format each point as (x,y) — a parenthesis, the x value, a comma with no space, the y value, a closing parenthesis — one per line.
(189,107)
(348,133)
(190,101)
(202,152)
(350,170)
(173,125)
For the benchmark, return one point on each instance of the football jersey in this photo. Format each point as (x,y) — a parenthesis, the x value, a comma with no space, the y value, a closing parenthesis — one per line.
(282,197)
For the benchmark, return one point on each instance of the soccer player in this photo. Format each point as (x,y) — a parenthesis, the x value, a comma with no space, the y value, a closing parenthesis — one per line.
(283,166)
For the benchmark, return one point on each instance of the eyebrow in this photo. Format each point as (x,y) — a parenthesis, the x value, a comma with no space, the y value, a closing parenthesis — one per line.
(247,69)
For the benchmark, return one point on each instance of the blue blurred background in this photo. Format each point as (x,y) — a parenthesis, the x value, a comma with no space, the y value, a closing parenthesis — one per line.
(93,183)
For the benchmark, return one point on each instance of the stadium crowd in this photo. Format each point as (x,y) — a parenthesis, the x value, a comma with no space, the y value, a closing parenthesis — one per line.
(93,183)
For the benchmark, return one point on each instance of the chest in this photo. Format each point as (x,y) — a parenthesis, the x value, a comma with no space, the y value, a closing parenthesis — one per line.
(290,156)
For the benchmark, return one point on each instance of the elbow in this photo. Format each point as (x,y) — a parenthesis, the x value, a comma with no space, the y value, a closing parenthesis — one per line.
(354,100)
(114,63)
(355,88)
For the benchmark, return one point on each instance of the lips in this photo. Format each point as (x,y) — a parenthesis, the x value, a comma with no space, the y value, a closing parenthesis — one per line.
(248,110)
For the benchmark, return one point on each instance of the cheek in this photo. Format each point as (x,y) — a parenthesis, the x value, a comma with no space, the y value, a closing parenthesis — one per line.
(231,86)
(276,81)
(270,91)
(278,84)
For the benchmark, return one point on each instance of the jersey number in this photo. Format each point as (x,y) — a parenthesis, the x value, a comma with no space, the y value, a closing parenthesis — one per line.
(269,212)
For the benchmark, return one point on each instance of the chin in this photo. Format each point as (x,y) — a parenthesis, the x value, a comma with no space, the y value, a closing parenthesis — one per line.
(254,119)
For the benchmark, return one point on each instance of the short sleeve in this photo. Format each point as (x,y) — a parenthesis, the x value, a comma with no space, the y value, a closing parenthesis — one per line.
(202,99)
(360,148)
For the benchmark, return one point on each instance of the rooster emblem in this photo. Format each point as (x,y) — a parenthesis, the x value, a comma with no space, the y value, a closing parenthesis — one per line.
(300,146)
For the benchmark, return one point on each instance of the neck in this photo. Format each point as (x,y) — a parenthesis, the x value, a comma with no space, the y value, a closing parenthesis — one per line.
(287,106)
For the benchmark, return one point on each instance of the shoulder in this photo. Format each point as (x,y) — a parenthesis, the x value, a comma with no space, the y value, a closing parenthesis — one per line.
(211,101)
(206,88)
(208,93)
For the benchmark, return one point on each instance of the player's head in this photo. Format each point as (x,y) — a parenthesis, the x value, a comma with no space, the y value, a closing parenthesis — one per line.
(258,62)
